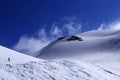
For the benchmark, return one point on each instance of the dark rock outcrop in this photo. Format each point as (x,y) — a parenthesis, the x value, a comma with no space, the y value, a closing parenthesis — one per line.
(70,38)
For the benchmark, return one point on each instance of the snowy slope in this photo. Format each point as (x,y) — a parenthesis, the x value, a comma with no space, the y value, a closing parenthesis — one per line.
(55,70)
(70,60)
(15,57)
(23,67)
(98,47)
(95,45)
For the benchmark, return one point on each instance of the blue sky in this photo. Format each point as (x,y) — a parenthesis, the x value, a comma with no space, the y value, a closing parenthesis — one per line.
(41,21)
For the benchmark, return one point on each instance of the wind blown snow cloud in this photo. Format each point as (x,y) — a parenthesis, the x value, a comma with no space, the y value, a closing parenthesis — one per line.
(67,26)
(31,44)
(115,25)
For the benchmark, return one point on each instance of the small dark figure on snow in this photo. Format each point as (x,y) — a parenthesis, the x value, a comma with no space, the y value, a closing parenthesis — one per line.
(8,59)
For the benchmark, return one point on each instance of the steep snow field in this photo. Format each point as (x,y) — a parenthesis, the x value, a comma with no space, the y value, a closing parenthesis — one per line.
(96,57)
(14,57)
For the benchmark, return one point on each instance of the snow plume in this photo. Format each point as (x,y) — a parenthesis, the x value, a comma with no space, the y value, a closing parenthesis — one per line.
(32,44)
(67,26)
(115,25)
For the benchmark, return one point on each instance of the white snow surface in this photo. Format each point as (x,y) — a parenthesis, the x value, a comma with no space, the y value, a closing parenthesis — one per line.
(95,58)
(14,56)
(94,43)
(56,70)
(98,47)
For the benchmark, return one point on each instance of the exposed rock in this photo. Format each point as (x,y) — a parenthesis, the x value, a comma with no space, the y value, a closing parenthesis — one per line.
(70,38)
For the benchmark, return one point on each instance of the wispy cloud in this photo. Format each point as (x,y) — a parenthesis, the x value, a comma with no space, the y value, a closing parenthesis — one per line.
(32,44)
(67,26)
(115,25)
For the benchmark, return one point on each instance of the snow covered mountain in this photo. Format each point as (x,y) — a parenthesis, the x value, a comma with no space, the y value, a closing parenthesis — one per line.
(94,44)
(97,47)
(91,56)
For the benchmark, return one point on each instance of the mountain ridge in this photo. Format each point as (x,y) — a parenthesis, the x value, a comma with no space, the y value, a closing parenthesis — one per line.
(105,44)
